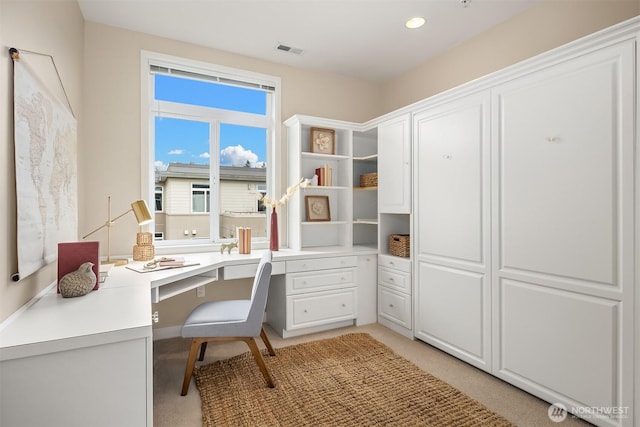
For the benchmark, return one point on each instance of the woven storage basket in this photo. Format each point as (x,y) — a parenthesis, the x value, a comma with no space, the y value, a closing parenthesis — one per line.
(369,180)
(399,244)
(143,253)
(144,238)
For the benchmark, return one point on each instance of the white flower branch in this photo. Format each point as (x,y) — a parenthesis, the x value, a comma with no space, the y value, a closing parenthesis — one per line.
(302,183)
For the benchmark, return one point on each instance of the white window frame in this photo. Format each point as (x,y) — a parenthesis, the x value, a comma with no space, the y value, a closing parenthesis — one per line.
(207,192)
(149,58)
(158,189)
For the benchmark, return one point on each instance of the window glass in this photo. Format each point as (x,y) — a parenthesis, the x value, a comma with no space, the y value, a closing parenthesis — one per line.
(210,156)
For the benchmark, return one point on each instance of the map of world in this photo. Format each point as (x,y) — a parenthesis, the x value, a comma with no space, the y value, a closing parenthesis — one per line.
(46,171)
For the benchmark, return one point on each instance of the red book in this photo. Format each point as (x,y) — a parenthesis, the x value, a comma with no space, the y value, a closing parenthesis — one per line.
(72,255)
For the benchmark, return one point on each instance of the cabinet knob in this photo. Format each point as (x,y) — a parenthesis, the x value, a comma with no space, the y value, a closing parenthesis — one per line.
(304,282)
(344,305)
(391,279)
(305,310)
(391,263)
(391,305)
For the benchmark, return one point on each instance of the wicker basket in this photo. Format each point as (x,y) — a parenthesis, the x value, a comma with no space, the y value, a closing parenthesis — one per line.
(399,245)
(144,238)
(143,253)
(369,180)
(144,250)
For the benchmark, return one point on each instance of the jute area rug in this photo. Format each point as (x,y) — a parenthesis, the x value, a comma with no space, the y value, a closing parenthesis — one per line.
(351,380)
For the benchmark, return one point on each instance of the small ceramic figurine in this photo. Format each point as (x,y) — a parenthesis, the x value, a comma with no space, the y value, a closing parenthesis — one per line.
(228,246)
(79,282)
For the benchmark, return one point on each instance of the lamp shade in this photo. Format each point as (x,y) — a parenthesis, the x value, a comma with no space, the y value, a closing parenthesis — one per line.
(141,211)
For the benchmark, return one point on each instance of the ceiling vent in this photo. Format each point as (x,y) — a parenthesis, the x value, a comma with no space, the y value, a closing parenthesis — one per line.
(285,48)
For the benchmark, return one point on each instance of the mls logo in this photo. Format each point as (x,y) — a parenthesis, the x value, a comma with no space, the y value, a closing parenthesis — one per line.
(557,412)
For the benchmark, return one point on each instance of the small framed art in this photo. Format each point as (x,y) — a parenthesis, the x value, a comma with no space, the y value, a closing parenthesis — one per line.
(323,141)
(318,208)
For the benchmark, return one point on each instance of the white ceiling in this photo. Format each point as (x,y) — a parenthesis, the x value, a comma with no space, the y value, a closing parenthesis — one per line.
(365,39)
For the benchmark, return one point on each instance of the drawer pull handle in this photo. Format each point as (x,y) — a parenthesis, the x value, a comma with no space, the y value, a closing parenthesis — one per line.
(391,305)
(305,310)
(391,263)
(344,305)
(391,279)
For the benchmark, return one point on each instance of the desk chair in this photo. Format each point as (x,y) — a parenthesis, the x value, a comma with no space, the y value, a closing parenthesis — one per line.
(233,320)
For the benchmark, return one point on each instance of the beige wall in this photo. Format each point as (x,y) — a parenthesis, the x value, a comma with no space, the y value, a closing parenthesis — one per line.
(56,29)
(105,96)
(549,24)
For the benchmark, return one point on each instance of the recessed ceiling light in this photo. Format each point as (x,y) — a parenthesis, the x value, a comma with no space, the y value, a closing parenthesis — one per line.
(416,22)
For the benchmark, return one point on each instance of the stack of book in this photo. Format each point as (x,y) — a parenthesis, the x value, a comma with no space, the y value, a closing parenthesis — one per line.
(325,175)
(176,261)
(244,240)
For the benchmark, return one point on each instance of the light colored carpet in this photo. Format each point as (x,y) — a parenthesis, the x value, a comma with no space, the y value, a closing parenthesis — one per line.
(350,380)
(173,410)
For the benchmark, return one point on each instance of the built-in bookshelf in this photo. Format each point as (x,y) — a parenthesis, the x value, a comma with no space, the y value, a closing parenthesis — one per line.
(353,210)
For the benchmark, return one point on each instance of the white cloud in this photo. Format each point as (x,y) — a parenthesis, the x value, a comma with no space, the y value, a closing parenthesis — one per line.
(160,166)
(237,156)
(204,156)
(176,152)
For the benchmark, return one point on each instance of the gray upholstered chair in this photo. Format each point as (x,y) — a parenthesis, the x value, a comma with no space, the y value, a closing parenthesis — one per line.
(232,320)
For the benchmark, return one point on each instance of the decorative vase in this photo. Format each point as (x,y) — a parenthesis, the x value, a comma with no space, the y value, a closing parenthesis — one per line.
(273,242)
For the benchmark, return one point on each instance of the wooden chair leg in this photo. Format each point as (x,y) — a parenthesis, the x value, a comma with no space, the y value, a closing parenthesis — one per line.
(203,348)
(266,341)
(191,361)
(259,360)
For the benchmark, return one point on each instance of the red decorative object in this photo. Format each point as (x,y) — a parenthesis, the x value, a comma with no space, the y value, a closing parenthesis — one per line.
(72,254)
(273,243)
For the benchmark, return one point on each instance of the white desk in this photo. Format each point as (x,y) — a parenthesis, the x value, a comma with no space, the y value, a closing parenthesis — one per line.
(89,360)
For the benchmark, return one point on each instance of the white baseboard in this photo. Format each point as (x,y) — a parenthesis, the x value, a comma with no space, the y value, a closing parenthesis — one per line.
(165,333)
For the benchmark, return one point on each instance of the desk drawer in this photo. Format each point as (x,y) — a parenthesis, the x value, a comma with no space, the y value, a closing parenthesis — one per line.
(395,279)
(313,264)
(243,271)
(320,280)
(320,308)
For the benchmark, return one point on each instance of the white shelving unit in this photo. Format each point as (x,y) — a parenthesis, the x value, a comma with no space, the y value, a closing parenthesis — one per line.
(353,210)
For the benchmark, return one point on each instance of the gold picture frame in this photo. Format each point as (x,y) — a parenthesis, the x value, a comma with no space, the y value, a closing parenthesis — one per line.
(318,208)
(323,141)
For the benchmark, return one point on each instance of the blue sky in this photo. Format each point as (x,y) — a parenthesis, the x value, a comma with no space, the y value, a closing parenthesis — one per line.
(187,141)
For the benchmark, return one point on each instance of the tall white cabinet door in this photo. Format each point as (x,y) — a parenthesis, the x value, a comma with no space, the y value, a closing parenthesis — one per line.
(394,165)
(451,225)
(563,231)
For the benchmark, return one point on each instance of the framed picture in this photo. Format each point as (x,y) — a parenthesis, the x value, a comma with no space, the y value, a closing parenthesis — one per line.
(323,141)
(318,208)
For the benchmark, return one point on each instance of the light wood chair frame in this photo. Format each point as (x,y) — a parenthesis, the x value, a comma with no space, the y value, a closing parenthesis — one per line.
(201,344)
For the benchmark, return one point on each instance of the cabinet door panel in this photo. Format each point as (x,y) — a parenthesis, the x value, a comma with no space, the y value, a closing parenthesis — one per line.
(394,172)
(561,140)
(451,181)
(452,312)
(569,346)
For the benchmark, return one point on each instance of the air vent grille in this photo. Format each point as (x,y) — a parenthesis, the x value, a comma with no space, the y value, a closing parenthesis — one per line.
(289,49)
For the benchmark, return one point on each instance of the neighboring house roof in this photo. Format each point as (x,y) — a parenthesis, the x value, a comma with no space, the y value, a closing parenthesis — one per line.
(199,171)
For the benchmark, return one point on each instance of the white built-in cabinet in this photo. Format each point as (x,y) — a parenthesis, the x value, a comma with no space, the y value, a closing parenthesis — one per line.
(394,170)
(524,227)
(563,259)
(452,243)
(394,206)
